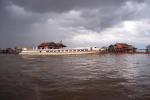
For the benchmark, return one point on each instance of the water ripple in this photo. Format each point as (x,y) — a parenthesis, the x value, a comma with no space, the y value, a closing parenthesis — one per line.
(101,77)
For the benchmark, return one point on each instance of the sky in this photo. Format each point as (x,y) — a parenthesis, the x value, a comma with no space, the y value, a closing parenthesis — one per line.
(75,22)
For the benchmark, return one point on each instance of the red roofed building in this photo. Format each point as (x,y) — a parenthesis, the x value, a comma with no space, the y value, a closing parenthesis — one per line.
(51,45)
(122,47)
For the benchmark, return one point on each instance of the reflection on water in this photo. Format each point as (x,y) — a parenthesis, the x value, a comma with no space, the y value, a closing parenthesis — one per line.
(101,77)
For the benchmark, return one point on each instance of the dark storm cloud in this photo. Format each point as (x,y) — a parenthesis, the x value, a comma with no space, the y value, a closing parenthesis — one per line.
(64,5)
(12,29)
(15,28)
(26,21)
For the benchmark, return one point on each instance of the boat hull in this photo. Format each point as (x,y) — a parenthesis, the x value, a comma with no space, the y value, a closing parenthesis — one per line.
(57,53)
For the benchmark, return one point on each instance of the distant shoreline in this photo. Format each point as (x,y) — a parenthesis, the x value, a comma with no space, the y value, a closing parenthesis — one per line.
(100,53)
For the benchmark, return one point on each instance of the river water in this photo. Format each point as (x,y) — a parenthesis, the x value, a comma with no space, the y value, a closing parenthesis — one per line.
(92,77)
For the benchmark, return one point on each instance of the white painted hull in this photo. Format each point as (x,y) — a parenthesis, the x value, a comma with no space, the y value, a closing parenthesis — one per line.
(55,52)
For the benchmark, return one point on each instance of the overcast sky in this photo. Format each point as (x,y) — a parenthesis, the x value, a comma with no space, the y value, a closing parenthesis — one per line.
(75,22)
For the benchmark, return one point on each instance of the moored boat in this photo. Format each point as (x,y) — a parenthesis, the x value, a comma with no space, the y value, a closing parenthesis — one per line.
(72,51)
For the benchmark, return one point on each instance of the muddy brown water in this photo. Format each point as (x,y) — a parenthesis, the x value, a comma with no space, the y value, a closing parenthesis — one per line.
(98,77)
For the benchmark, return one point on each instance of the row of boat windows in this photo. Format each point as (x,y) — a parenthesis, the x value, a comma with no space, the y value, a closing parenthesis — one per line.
(65,50)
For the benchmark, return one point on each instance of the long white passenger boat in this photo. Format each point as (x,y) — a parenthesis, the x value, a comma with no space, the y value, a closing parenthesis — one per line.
(73,51)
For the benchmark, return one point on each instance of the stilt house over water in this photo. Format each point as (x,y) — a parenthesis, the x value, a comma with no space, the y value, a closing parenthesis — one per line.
(122,47)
